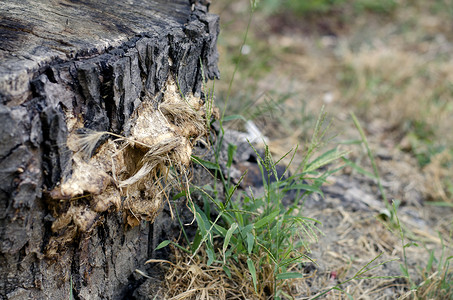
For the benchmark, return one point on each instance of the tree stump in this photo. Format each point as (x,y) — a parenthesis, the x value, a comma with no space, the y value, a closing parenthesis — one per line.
(98,99)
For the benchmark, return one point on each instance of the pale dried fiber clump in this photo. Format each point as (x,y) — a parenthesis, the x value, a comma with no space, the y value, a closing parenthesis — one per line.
(110,197)
(130,172)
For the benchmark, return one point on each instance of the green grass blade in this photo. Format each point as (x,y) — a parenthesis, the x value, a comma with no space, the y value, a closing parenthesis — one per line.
(211,255)
(325,159)
(289,275)
(250,242)
(371,157)
(252,271)
(231,150)
(304,187)
(205,163)
(228,235)
(234,117)
(267,219)
(440,203)
(163,244)
(222,231)
(271,256)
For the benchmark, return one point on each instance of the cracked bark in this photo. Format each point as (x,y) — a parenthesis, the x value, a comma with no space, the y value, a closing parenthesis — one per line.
(97,60)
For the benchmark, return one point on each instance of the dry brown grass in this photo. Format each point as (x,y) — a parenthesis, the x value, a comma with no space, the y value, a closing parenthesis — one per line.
(351,240)
(395,72)
(191,278)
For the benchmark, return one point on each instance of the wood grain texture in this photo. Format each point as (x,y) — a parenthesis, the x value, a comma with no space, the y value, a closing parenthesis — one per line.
(34,34)
(96,60)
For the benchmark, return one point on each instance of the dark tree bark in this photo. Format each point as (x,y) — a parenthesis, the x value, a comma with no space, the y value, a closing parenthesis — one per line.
(69,66)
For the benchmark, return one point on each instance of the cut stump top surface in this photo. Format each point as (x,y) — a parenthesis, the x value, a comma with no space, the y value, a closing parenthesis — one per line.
(35,33)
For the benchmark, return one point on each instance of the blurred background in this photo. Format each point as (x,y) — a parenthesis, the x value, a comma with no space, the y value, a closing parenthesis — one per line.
(390,64)
(388,61)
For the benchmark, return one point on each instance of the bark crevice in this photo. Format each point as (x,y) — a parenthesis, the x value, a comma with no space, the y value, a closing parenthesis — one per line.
(98,65)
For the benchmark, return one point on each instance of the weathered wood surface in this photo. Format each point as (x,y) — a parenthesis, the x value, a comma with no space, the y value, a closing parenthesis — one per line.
(97,61)
(36,34)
